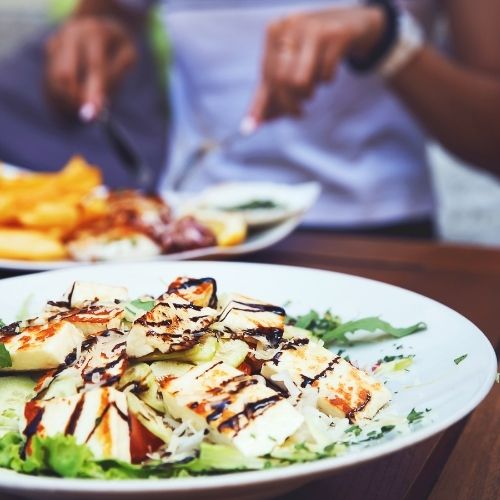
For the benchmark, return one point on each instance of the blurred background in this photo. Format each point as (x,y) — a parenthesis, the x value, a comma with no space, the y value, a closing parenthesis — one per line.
(468,199)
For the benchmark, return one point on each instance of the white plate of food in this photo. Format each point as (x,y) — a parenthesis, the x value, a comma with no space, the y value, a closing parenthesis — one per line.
(55,220)
(210,389)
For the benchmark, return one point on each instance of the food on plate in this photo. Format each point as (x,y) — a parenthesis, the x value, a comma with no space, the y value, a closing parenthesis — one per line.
(187,382)
(28,244)
(69,214)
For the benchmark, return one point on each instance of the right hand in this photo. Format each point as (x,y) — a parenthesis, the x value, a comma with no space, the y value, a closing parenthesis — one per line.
(85,60)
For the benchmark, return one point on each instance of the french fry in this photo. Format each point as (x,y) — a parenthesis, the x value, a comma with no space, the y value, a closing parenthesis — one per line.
(25,244)
(50,214)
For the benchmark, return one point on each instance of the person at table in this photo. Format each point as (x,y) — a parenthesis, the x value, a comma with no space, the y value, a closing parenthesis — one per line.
(344,94)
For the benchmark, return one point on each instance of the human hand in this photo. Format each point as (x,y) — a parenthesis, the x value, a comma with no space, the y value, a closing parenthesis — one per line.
(304,50)
(85,60)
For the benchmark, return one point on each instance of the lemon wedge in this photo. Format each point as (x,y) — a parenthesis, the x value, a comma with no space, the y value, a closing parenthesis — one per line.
(229,229)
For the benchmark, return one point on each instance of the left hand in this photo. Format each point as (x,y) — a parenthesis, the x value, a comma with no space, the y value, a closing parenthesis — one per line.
(304,50)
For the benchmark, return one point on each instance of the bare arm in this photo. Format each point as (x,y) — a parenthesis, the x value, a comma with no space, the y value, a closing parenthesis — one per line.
(458,100)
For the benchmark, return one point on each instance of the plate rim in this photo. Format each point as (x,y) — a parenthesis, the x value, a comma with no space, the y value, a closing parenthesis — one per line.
(9,480)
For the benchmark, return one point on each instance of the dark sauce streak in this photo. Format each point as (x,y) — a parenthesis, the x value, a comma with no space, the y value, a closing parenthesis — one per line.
(73,419)
(208,369)
(31,429)
(100,418)
(98,421)
(360,407)
(251,410)
(292,344)
(218,408)
(273,335)
(70,294)
(308,381)
(122,415)
(87,377)
(120,345)
(188,306)
(60,303)
(194,283)
(12,329)
(262,308)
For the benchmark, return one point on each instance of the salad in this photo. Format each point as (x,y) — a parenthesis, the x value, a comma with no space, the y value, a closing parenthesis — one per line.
(195,381)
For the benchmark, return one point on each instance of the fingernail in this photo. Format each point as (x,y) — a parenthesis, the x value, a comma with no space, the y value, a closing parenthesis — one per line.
(88,112)
(248,125)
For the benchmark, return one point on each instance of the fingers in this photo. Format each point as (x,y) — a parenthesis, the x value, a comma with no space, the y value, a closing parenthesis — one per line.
(85,60)
(95,78)
(62,71)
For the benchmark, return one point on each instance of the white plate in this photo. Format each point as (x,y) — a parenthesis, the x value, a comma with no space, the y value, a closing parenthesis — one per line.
(434,380)
(270,226)
(259,240)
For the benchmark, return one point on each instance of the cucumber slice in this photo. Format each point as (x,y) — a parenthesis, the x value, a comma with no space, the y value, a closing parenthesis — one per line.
(165,369)
(294,332)
(200,353)
(232,352)
(143,383)
(148,418)
(15,391)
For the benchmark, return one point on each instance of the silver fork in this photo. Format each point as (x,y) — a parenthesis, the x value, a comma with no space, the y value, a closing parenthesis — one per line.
(195,159)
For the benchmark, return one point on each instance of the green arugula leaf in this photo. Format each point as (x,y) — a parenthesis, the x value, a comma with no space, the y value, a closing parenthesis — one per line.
(371,324)
(330,328)
(5,359)
(414,416)
(459,359)
(2,324)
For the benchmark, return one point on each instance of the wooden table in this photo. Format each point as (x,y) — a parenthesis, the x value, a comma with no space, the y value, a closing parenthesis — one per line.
(464,461)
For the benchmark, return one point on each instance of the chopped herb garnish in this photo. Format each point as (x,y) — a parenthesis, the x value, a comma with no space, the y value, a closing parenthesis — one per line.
(372,435)
(5,359)
(415,416)
(355,429)
(460,359)
(252,205)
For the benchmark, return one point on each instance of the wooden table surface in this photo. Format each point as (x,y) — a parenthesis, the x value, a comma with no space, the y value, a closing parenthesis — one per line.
(462,463)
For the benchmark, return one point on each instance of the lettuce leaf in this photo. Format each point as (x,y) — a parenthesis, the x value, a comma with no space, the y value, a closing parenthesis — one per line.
(218,458)
(62,456)
(5,359)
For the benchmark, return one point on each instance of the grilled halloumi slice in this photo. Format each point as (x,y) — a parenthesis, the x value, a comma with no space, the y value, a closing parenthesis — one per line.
(92,319)
(344,390)
(97,418)
(250,319)
(39,347)
(237,409)
(172,325)
(200,292)
(83,293)
(99,361)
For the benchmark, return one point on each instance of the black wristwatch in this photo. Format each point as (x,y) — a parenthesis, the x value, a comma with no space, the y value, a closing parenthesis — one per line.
(386,42)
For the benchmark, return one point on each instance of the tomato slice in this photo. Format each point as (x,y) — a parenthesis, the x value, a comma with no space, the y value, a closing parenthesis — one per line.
(245,368)
(142,441)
